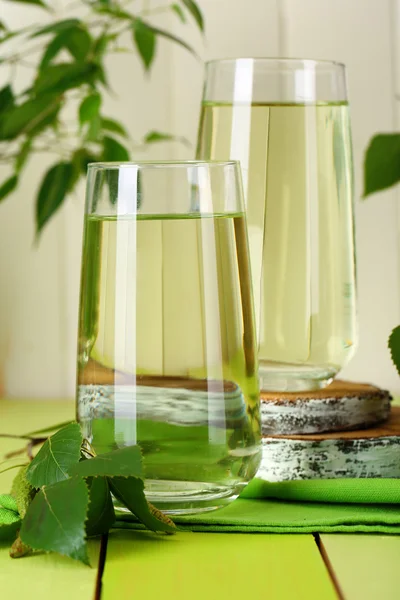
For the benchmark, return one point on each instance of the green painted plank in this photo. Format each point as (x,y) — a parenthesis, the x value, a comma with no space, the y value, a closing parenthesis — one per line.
(214,565)
(43,576)
(366,567)
(48,576)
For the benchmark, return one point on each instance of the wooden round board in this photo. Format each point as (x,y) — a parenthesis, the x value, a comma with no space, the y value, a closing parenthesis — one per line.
(341,406)
(351,454)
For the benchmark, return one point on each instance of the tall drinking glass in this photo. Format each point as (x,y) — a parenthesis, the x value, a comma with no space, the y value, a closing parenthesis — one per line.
(167,356)
(287,122)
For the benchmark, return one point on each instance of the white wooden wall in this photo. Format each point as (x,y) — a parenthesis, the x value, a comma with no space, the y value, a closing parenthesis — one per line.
(39,286)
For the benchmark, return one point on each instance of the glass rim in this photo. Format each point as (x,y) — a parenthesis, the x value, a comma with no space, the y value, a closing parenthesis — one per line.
(283,60)
(154,164)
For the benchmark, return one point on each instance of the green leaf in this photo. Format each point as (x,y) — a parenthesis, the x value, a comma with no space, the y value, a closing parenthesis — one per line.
(101,515)
(30,117)
(157,136)
(8,186)
(100,44)
(173,38)
(113,150)
(145,41)
(114,127)
(34,2)
(125,462)
(195,12)
(56,27)
(52,49)
(55,520)
(80,159)
(89,108)
(382,163)
(178,10)
(57,79)
(131,493)
(394,346)
(23,154)
(117,13)
(56,184)
(8,517)
(78,41)
(54,460)
(7,501)
(93,132)
(22,491)
(6,98)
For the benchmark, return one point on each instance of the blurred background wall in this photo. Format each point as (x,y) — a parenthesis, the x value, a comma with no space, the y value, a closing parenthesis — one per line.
(39,285)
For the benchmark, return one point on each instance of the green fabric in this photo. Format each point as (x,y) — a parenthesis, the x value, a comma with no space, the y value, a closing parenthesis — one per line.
(354,491)
(340,505)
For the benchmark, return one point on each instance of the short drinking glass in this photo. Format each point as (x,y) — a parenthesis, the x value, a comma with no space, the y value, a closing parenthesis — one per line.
(287,121)
(166,354)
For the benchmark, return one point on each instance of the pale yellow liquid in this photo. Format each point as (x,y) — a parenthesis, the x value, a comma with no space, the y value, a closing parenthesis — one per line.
(167,355)
(297,170)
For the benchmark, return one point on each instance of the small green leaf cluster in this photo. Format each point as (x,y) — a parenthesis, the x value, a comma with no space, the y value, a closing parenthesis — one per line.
(63,497)
(71,69)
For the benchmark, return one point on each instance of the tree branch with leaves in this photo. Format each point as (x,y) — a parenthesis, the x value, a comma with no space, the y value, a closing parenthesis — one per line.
(67,57)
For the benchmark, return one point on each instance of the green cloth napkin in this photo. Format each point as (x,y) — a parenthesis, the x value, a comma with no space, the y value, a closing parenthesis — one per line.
(337,505)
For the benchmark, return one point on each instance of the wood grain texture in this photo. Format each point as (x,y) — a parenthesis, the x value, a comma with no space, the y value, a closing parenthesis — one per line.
(343,405)
(365,566)
(44,576)
(209,565)
(368,453)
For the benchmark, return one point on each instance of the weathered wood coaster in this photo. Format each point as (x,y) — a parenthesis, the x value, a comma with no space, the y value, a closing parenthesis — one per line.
(342,406)
(370,453)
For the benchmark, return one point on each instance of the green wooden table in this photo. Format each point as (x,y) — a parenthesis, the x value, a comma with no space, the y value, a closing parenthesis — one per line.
(195,566)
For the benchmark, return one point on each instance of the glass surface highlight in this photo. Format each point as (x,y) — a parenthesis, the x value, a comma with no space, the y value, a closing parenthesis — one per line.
(167,353)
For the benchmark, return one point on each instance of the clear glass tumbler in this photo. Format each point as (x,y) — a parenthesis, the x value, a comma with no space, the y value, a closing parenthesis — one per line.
(167,354)
(287,122)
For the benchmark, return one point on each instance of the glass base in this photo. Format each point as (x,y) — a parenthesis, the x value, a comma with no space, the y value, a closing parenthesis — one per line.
(284,377)
(187,497)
